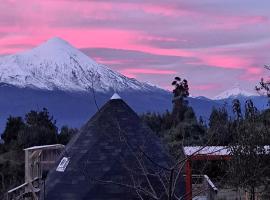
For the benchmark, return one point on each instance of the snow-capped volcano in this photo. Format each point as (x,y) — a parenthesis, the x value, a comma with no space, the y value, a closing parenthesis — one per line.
(57,65)
(234,92)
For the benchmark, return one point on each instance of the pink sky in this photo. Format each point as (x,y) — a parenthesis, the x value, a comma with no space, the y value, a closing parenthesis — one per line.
(214,44)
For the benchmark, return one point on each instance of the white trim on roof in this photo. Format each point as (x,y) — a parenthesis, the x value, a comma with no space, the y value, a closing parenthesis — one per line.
(115,96)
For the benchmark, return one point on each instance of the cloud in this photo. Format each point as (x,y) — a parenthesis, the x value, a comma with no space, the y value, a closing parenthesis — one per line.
(224,61)
(206,41)
(133,57)
(132,72)
(206,87)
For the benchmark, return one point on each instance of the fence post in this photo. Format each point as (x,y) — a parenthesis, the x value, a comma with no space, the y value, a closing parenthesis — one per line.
(188,180)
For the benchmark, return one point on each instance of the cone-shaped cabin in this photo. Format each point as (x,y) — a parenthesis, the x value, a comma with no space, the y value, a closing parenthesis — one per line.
(114,156)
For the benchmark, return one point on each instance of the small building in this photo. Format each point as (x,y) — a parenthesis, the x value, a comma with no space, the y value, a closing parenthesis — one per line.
(114,156)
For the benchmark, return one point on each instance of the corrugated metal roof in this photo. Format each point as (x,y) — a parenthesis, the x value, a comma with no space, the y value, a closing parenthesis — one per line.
(212,150)
(206,150)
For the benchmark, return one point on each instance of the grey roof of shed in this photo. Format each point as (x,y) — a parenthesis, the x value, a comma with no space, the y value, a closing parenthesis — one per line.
(104,151)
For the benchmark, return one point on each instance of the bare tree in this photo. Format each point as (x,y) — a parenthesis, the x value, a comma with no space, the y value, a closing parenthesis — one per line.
(92,78)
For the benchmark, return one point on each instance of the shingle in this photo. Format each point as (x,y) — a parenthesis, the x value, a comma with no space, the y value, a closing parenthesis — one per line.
(107,156)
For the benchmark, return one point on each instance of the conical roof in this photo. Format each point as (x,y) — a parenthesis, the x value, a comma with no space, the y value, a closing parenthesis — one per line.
(107,157)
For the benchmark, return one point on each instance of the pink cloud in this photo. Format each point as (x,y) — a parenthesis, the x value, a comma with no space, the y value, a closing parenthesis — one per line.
(224,61)
(132,72)
(96,38)
(165,10)
(17,43)
(255,70)
(235,22)
(118,39)
(78,37)
(155,38)
(252,74)
(205,87)
(109,62)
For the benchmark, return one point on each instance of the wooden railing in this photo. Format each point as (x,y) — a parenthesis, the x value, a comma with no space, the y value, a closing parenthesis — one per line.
(25,191)
(202,186)
(210,188)
(38,159)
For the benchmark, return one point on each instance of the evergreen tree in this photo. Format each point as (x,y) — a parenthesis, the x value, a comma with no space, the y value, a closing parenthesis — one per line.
(66,134)
(180,127)
(13,126)
(180,92)
(237,109)
(40,129)
(219,127)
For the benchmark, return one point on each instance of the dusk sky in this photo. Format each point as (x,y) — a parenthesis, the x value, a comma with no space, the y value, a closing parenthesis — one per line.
(212,43)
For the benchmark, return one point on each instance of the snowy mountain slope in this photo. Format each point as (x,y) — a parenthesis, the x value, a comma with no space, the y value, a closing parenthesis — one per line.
(56,65)
(234,92)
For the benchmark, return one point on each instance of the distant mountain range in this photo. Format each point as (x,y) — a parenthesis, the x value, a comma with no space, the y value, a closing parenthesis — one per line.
(59,77)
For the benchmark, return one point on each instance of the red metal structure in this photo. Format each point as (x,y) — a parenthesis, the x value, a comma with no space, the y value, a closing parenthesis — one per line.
(202,153)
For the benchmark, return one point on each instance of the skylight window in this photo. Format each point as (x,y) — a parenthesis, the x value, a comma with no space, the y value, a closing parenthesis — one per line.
(63,164)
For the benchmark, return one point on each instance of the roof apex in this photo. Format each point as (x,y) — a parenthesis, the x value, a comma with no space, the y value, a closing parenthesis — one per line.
(115,96)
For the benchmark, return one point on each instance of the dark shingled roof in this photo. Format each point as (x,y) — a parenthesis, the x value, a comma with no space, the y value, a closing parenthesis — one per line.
(103,158)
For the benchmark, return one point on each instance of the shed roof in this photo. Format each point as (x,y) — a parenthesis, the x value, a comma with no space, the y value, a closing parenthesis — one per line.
(206,150)
(213,150)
